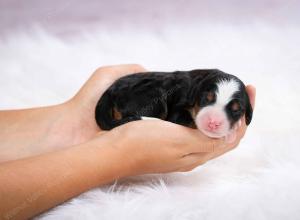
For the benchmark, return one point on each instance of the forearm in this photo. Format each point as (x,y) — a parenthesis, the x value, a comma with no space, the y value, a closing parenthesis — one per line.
(29,132)
(32,185)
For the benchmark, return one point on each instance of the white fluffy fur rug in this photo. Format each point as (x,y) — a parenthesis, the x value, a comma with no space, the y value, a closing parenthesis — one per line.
(258,180)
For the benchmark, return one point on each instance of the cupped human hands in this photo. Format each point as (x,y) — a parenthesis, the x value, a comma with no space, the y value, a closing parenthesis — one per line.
(156,146)
(149,146)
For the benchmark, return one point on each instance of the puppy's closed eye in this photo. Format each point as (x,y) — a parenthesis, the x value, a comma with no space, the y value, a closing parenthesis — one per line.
(210,96)
(207,98)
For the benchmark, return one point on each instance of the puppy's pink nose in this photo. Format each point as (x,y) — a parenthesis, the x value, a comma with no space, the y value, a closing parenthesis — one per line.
(213,125)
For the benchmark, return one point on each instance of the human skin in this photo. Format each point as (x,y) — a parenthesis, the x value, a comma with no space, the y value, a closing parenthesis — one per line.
(52,154)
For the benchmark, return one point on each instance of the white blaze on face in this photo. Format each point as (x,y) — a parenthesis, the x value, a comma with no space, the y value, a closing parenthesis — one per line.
(212,119)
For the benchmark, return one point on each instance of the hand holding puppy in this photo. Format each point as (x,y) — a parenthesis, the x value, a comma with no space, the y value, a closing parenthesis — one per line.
(157,146)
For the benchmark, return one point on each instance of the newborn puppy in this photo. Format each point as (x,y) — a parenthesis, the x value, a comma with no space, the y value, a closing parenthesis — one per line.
(207,99)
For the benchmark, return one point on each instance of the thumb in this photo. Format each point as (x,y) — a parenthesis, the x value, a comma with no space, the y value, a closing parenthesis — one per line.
(251,90)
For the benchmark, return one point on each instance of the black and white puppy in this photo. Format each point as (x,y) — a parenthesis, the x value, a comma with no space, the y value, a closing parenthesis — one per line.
(207,99)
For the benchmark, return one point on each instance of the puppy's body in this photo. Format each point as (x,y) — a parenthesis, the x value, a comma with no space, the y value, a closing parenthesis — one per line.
(208,99)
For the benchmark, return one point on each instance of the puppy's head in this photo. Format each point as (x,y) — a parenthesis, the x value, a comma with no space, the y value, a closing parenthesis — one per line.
(221,101)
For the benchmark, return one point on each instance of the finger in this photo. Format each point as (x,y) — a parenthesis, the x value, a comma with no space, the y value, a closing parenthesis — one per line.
(189,140)
(118,71)
(220,151)
(194,160)
(251,90)
(242,129)
(239,134)
(103,77)
(199,143)
(134,68)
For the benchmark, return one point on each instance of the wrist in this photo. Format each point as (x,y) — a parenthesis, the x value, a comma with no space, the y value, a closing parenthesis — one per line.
(113,162)
(80,119)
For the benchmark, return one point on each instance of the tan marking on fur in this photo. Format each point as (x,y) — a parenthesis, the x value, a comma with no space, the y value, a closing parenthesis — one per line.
(116,114)
(194,111)
(235,106)
(210,96)
(193,125)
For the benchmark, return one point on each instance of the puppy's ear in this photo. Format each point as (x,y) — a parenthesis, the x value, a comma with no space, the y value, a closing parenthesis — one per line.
(249,110)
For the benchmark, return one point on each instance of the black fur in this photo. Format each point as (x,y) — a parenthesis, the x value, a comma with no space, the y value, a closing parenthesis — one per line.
(165,95)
